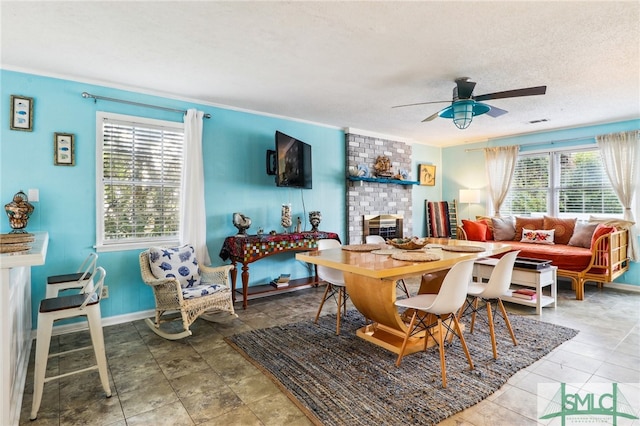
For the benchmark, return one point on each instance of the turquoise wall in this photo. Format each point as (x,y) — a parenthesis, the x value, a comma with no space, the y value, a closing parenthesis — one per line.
(466,169)
(423,154)
(234,147)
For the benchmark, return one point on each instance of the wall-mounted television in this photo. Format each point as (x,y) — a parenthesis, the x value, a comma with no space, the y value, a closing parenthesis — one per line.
(291,162)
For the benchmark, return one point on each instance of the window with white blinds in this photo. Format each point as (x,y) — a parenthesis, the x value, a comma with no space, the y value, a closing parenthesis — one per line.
(139,174)
(561,184)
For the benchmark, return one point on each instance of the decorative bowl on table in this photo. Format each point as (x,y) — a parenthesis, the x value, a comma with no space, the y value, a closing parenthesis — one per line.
(408,243)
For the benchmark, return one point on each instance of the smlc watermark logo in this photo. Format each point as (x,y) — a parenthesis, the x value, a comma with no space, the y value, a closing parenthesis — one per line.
(609,406)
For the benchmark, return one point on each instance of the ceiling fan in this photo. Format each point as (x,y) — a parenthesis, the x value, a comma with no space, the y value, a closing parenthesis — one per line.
(465,106)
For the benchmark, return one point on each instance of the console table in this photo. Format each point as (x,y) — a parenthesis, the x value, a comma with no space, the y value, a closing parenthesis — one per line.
(250,248)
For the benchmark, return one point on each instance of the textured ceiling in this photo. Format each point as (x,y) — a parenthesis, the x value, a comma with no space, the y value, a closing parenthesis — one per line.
(346,63)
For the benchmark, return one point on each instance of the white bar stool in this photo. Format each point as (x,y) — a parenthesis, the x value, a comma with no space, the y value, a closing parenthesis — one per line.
(75,305)
(77,280)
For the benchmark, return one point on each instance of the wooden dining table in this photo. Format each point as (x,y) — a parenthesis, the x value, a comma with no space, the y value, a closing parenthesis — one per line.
(371,279)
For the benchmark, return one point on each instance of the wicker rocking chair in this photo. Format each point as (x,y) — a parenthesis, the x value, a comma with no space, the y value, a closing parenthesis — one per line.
(172,306)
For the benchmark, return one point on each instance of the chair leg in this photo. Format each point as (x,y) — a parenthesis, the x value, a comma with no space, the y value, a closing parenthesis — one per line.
(97,340)
(324,299)
(443,367)
(340,291)
(492,331)
(506,320)
(473,314)
(45,327)
(462,341)
(406,337)
(403,287)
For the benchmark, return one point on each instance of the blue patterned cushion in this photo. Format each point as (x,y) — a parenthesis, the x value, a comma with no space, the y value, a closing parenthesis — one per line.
(175,262)
(201,290)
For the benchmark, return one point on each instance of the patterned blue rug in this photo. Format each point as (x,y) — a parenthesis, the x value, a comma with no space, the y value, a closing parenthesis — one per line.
(345,380)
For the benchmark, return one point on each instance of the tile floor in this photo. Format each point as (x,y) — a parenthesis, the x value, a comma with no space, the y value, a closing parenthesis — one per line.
(201,380)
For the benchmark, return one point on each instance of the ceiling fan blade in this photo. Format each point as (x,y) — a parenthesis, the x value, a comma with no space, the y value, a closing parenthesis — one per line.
(529,91)
(496,112)
(420,103)
(465,87)
(432,117)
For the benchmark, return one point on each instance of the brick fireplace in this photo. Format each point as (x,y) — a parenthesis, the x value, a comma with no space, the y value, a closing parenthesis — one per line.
(376,198)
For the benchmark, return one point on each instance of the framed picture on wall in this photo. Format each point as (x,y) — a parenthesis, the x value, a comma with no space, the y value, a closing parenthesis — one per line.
(427,174)
(21,113)
(63,149)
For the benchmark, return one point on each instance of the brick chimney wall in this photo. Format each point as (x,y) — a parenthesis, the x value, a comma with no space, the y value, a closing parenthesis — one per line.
(374,198)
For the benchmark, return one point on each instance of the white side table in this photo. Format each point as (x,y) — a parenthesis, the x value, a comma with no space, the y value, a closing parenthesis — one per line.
(533,278)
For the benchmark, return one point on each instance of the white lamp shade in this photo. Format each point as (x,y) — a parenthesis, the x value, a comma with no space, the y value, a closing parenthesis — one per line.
(470,195)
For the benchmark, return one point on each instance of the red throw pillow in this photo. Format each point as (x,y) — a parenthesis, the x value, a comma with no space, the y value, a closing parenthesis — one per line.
(476,231)
(601,230)
(489,224)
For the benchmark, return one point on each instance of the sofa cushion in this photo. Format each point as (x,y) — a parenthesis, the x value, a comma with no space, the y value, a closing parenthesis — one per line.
(563,228)
(503,229)
(476,231)
(487,221)
(175,262)
(565,257)
(201,290)
(537,236)
(527,222)
(582,234)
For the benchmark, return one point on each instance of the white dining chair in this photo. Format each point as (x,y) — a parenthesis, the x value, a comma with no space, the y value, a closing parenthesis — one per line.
(336,287)
(489,293)
(377,239)
(433,313)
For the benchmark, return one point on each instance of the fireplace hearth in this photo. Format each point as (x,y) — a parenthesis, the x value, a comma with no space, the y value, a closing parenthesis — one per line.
(385,225)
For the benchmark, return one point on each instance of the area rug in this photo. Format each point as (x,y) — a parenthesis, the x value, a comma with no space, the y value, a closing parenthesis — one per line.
(345,380)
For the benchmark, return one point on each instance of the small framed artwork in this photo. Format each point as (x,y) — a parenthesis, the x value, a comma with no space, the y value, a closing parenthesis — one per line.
(21,113)
(63,149)
(427,175)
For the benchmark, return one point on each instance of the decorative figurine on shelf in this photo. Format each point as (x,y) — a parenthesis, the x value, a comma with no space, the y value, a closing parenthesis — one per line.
(285,217)
(241,222)
(18,212)
(383,166)
(314,219)
(260,231)
(298,225)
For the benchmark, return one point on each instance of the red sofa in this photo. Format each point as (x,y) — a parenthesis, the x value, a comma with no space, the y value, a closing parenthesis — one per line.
(582,252)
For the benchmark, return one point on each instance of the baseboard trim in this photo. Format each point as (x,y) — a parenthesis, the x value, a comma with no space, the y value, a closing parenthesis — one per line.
(623,286)
(114,320)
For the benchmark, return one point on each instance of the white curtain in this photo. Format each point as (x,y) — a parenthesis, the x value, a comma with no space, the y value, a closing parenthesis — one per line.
(501,164)
(192,210)
(620,155)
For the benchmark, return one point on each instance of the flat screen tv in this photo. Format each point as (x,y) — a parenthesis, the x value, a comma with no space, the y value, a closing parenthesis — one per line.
(293,162)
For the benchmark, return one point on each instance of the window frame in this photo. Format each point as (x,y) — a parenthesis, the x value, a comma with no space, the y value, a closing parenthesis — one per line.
(102,245)
(554,188)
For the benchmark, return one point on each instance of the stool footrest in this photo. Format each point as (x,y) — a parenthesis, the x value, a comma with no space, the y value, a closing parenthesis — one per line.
(70,373)
(70,351)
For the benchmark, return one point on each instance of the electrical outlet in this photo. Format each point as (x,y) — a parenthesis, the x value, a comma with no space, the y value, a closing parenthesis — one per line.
(105,292)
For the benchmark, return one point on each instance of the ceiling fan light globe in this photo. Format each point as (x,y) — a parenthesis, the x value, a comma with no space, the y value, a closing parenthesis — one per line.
(463,114)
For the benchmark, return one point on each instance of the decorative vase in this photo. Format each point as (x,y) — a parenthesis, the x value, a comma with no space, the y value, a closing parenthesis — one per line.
(314,219)
(241,222)
(285,217)
(18,212)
